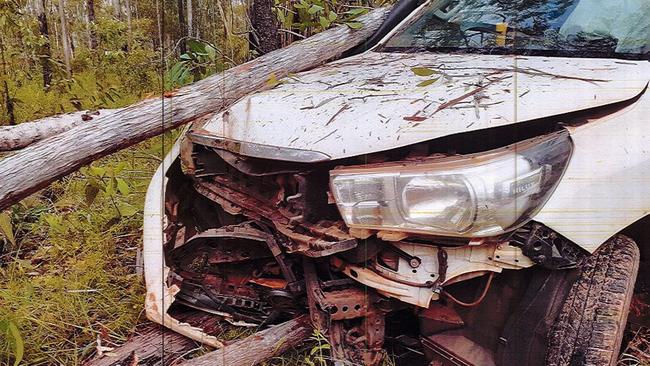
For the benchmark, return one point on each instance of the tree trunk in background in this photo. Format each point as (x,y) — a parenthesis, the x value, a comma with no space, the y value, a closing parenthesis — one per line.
(159,23)
(190,18)
(264,37)
(45,51)
(182,25)
(90,9)
(117,12)
(127,5)
(9,102)
(65,41)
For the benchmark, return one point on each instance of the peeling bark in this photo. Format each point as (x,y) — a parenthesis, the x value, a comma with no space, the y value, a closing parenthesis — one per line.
(153,344)
(25,134)
(34,167)
(258,347)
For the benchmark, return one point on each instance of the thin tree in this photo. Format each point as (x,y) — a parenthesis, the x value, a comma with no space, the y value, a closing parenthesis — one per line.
(117,11)
(90,9)
(190,17)
(127,5)
(45,51)
(9,102)
(264,36)
(181,24)
(65,41)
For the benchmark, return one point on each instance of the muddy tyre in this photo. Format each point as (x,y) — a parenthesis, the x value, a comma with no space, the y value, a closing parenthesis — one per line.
(590,326)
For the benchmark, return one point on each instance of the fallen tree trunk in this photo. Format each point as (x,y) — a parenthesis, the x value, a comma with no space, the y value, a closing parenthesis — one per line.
(22,135)
(258,347)
(154,344)
(36,166)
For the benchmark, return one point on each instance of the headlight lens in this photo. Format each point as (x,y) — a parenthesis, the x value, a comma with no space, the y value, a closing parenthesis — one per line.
(472,195)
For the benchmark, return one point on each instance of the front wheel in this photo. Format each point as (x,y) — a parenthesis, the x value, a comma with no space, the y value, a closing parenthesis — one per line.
(590,327)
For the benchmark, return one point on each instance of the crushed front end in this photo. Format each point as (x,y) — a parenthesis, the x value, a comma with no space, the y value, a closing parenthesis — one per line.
(258,241)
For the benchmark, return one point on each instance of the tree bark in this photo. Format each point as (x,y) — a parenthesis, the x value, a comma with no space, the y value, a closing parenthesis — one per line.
(153,344)
(264,36)
(258,347)
(147,348)
(90,9)
(8,100)
(117,11)
(190,18)
(127,5)
(27,133)
(34,167)
(45,51)
(65,42)
(182,25)
(9,104)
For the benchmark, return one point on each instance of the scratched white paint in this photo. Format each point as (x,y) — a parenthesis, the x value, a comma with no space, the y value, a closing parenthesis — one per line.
(160,296)
(606,186)
(358,105)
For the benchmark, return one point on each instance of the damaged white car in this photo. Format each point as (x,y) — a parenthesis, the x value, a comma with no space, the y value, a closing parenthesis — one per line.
(473,185)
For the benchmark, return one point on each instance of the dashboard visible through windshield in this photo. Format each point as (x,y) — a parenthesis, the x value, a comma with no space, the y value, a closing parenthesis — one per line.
(575,28)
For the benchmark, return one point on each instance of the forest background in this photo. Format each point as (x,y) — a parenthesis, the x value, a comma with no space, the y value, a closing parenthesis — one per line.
(70,269)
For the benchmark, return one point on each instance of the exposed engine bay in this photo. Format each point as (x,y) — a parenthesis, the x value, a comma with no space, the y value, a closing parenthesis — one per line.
(257,242)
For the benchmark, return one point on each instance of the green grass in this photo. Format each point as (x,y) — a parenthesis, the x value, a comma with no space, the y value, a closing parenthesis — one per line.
(71,274)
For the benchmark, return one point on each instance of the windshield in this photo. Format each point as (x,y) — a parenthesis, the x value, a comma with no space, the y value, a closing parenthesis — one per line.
(578,28)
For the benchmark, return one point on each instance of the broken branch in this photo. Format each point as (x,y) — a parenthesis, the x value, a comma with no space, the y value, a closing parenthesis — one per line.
(36,166)
(25,134)
(258,347)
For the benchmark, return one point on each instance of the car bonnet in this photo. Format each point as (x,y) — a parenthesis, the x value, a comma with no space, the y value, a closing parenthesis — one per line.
(379,101)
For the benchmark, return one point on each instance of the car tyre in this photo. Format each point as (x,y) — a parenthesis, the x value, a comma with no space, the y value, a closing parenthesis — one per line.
(589,329)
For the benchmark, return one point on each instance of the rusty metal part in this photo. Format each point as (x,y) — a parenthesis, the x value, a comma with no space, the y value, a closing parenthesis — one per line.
(442,267)
(314,296)
(354,326)
(359,340)
(248,309)
(237,271)
(313,239)
(437,318)
(347,304)
(278,254)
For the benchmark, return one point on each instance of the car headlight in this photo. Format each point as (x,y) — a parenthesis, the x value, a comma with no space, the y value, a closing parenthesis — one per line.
(481,194)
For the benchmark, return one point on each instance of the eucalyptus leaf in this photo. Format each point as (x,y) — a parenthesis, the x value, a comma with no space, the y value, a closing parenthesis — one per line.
(324,22)
(356,12)
(273,81)
(122,186)
(428,82)
(127,209)
(6,228)
(424,71)
(91,192)
(354,25)
(12,333)
(315,9)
